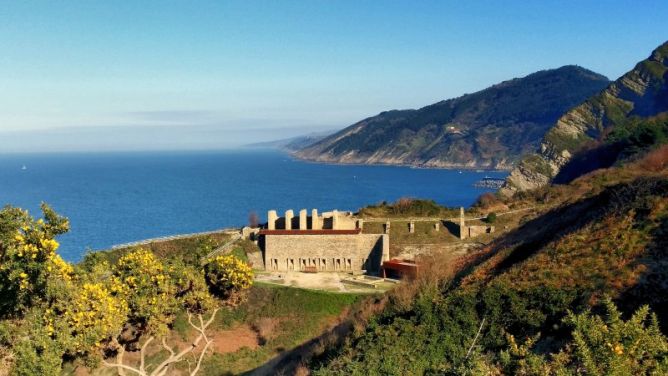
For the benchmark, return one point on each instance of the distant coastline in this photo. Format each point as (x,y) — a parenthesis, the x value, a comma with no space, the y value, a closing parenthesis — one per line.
(295,155)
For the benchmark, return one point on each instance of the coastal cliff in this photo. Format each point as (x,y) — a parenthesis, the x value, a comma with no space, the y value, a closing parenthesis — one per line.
(642,93)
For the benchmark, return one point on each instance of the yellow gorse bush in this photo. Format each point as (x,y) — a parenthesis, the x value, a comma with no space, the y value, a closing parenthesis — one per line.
(141,279)
(92,316)
(228,273)
(30,260)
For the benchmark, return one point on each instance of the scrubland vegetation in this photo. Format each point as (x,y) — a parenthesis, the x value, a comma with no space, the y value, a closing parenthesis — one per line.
(580,288)
(406,207)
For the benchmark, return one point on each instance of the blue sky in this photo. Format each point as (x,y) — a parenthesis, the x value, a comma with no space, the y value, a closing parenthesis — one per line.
(94,75)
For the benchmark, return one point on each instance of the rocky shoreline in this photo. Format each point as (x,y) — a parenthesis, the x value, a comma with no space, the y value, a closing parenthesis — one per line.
(436,165)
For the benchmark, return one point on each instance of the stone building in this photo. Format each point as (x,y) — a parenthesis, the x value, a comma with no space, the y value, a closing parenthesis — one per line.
(471,231)
(332,241)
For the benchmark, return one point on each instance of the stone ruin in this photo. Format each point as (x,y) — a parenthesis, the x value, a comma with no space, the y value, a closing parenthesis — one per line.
(333,220)
(471,231)
(331,242)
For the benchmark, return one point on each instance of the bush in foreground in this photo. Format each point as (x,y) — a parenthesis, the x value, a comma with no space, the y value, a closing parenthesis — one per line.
(93,313)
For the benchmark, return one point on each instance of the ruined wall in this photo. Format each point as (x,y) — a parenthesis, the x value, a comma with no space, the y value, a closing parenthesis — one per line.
(331,252)
(471,231)
(333,220)
(474,231)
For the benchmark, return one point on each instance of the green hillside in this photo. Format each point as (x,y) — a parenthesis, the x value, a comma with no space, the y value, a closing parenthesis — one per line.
(587,137)
(490,128)
(535,300)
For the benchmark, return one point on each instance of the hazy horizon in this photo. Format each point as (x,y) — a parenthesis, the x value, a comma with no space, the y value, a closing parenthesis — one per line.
(81,76)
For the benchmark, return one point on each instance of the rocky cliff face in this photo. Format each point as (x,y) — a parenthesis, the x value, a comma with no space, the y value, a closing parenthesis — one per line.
(642,92)
(488,129)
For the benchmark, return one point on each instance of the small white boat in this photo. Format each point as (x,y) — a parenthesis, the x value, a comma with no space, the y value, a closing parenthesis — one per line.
(24,167)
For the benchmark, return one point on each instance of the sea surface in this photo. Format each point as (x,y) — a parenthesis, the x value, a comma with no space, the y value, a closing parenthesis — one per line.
(114,198)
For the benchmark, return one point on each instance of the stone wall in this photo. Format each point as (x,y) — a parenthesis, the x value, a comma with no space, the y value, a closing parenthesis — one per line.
(474,231)
(328,252)
(471,231)
(332,220)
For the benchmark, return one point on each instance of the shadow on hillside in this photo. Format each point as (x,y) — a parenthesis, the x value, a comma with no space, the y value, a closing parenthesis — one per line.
(591,158)
(530,237)
(288,362)
(652,287)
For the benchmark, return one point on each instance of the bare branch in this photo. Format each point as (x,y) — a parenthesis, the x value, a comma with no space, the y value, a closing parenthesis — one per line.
(164,344)
(201,356)
(475,339)
(123,366)
(189,367)
(142,354)
(119,358)
(173,357)
(201,322)
(213,316)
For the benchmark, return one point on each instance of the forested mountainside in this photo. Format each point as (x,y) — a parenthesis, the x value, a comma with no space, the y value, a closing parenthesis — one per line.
(588,136)
(491,128)
(579,289)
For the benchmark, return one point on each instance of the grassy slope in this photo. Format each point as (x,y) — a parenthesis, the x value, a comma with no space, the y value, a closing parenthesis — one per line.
(186,249)
(604,234)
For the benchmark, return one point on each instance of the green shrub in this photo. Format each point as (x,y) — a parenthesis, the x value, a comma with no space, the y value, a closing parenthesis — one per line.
(612,346)
(599,346)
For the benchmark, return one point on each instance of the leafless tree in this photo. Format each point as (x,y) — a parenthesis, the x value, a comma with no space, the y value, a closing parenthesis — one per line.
(174,357)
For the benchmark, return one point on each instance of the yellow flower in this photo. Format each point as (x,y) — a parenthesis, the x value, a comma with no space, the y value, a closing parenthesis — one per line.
(619,349)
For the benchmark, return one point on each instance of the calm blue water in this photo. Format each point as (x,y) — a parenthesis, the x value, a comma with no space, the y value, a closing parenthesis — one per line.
(115,198)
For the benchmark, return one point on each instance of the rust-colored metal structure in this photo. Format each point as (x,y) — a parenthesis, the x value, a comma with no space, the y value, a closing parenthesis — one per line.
(400,269)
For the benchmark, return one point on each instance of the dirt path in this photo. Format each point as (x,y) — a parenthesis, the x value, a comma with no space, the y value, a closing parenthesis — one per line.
(229,341)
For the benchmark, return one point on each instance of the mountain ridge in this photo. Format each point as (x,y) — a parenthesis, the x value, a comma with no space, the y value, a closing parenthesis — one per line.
(490,128)
(640,93)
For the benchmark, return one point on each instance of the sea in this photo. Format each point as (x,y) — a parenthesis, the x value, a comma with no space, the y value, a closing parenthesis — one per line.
(115,198)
